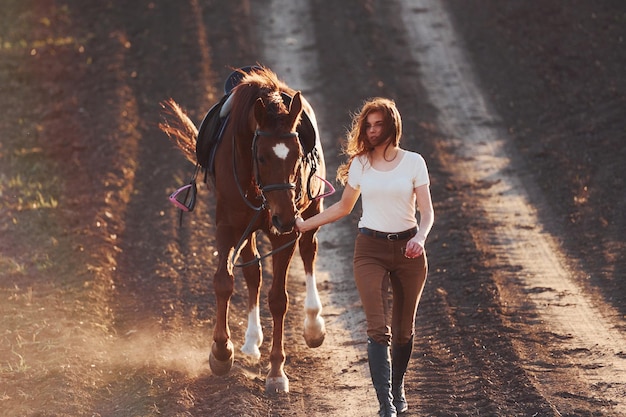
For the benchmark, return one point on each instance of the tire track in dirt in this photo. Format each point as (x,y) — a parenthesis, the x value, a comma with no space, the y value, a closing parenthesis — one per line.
(290,50)
(544,277)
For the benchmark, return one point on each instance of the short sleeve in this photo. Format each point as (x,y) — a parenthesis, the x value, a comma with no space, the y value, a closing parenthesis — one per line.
(420,172)
(355,173)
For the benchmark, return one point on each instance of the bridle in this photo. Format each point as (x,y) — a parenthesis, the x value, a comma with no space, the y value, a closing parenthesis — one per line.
(255,167)
(263,188)
(270,187)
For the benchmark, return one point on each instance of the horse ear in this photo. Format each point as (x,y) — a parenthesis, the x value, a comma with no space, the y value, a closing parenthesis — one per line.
(295,109)
(259,111)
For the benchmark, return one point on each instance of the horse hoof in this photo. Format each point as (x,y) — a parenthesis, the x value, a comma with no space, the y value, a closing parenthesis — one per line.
(218,366)
(277,384)
(314,332)
(315,343)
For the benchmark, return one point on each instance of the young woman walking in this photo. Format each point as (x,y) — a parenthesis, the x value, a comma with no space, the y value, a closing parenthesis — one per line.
(389,247)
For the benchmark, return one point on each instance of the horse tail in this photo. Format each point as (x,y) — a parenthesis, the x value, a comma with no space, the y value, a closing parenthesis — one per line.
(179,128)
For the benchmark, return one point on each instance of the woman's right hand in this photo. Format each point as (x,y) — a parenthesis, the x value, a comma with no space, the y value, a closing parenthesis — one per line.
(299,224)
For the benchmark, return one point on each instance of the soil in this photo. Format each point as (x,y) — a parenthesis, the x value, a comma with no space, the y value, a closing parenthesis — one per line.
(106,302)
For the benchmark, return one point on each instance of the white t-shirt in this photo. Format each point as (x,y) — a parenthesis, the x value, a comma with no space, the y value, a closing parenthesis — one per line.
(387,197)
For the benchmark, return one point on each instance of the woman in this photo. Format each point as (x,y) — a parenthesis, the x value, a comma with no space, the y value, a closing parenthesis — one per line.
(390,244)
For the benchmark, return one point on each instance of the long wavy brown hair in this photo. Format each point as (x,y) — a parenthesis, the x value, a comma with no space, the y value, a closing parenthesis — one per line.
(356,142)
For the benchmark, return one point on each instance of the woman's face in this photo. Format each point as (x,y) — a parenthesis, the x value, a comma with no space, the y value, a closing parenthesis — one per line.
(374,128)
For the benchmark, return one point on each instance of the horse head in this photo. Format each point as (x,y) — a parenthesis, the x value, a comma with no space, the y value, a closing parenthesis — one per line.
(277,159)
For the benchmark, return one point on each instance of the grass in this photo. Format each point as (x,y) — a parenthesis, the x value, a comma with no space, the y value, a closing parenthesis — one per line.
(28,181)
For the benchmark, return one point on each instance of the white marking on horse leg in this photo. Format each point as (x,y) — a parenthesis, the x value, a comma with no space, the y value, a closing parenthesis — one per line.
(314,327)
(274,384)
(254,335)
(281,150)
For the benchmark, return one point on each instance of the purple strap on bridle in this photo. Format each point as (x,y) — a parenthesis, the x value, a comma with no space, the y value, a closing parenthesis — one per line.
(330,186)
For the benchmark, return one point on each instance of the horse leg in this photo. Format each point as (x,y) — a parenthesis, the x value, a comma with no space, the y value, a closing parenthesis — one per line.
(278,300)
(222,355)
(252,274)
(314,327)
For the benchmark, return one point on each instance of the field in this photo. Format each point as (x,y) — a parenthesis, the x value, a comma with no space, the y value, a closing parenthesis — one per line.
(106,302)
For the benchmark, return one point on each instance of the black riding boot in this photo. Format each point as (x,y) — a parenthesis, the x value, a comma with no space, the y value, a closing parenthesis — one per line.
(400,355)
(380,370)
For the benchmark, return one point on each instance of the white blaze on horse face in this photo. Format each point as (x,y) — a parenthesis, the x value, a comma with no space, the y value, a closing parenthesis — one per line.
(281,150)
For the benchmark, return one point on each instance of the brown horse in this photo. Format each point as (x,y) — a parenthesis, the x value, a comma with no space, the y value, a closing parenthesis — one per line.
(268,169)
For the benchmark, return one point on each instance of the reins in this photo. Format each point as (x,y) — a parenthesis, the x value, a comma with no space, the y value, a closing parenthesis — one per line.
(244,237)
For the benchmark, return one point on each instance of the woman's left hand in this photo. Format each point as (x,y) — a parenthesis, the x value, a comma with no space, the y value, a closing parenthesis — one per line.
(414,248)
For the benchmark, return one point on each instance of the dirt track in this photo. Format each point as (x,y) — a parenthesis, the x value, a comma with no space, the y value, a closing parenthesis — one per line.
(107,304)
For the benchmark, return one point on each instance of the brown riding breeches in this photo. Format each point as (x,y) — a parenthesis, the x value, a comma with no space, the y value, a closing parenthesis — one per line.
(378,263)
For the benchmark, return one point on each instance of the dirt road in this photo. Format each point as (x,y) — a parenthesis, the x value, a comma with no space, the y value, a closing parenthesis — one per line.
(106,303)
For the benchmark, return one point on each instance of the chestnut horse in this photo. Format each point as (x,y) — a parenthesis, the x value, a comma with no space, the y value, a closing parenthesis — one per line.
(268,169)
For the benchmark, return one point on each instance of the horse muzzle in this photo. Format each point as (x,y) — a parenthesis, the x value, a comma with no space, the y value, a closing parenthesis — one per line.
(282,227)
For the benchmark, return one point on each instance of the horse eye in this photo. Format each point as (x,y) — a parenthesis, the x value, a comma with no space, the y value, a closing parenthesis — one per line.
(261,159)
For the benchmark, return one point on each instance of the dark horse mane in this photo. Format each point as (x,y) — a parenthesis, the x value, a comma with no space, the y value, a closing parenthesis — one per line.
(260,83)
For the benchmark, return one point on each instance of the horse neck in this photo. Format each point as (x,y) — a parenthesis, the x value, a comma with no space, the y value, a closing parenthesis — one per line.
(242,148)
(241,165)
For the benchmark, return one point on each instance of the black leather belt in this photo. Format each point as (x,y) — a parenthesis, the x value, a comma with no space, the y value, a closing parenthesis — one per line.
(389,236)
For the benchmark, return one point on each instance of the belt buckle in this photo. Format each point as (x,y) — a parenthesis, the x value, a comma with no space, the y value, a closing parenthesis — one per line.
(392,236)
